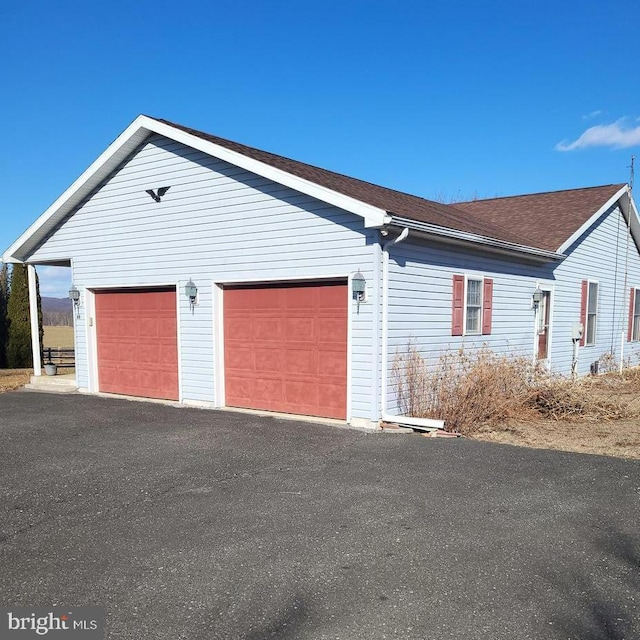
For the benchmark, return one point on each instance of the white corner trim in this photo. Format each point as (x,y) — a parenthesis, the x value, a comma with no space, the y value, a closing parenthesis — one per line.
(609,203)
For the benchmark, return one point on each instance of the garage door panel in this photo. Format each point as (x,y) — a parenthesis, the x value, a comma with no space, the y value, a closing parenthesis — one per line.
(330,397)
(267,329)
(332,330)
(240,359)
(301,361)
(268,359)
(333,298)
(265,300)
(237,327)
(148,327)
(332,364)
(168,357)
(168,330)
(288,341)
(268,392)
(136,333)
(300,329)
(302,298)
(238,388)
(302,394)
(125,303)
(149,354)
(123,352)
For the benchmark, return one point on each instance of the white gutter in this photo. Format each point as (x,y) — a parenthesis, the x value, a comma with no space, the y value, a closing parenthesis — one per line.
(418,423)
(485,241)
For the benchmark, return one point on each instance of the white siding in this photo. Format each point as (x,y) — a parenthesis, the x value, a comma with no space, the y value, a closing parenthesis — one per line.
(217,223)
(599,255)
(420,303)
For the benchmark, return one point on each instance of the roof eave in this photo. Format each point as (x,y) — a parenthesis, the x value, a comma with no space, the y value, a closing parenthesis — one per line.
(578,232)
(131,138)
(485,243)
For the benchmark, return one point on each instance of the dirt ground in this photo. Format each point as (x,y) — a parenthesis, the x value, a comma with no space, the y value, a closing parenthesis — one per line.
(11,379)
(610,437)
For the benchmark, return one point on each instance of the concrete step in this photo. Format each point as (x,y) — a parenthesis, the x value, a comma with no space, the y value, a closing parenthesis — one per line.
(53,384)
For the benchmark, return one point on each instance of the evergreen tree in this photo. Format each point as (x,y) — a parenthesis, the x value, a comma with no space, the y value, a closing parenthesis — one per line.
(19,331)
(4,294)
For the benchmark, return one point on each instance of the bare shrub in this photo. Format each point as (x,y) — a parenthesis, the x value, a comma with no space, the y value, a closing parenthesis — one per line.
(471,389)
(566,400)
(632,376)
(466,389)
(411,379)
(608,363)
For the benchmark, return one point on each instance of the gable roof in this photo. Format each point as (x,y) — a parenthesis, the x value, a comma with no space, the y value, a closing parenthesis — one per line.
(551,218)
(490,226)
(393,202)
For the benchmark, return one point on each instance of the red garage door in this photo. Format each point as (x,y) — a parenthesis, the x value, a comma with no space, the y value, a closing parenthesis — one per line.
(137,342)
(285,348)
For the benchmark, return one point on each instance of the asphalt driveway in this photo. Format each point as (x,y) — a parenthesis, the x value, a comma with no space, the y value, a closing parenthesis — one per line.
(187,523)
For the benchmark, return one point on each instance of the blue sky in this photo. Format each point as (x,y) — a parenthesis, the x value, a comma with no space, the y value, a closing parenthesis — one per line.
(447,100)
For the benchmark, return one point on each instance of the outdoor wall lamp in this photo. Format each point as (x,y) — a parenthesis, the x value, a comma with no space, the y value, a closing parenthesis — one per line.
(74,294)
(191,291)
(358,288)
(537,297)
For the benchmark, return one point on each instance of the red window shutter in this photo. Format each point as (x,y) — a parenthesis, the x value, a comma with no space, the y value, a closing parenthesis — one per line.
(457,316)
(487,306)
(632,302)
(583,312)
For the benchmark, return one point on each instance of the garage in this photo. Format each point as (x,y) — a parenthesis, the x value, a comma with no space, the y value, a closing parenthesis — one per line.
(285,348)
(136,335)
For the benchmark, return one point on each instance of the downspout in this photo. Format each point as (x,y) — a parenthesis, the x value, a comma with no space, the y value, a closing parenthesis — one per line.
(421,423)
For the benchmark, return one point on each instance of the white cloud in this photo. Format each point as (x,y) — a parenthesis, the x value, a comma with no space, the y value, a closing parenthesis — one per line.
(617,134)
(593,114)
(55,282)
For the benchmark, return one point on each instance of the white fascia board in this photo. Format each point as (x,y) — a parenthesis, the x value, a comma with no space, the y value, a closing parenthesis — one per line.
(134,135)
(373,216)
(630,215)
(608,204)
(476,239)
(115,153)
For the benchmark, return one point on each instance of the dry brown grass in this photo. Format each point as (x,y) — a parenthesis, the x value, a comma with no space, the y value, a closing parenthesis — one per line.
(12,379)
(58,337)
(464,389)
(567,400)
(620,438)
(505,399)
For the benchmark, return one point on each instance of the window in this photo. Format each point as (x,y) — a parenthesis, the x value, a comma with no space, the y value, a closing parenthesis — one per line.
(635,323)
(472,305)
(592,313)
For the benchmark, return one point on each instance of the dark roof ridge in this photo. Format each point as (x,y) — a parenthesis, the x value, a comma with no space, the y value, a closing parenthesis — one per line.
(459,219)
(542,193)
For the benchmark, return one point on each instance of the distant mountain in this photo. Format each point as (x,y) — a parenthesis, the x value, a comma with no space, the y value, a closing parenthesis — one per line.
(57,311)
(56,304)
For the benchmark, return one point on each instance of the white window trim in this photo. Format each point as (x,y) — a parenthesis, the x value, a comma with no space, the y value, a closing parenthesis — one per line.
(636,291)
(544,286)
(480,279)
(586,319)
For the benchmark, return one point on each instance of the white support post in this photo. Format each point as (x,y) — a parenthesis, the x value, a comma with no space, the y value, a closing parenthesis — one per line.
(33,312)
